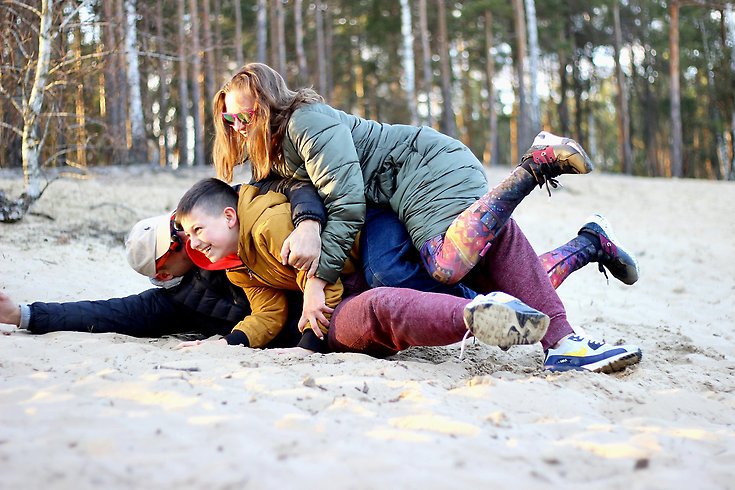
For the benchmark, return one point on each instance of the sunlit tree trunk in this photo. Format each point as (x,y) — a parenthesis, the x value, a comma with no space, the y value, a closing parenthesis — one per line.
(408,61)
(31,143)
(448,124)
(523,123)
(623,115)
(730,21)
(492,116)
(428,78)
(209,61)
(162,90)
(719,170)
(79,109)
(277,36)
(320,49)
(183,133)
(533,58)
(303,74)
(328,47)
(122,95)
(677,164)
(196,85)
(239,57)
(138,148)
(111,102)
(218,65)
(262,30)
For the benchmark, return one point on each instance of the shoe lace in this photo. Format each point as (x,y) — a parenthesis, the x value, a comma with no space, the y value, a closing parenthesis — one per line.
(462,346)
(543,179)
(602,269)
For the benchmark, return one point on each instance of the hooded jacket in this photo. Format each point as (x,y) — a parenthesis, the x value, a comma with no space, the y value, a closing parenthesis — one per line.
(265,223)
(426,177)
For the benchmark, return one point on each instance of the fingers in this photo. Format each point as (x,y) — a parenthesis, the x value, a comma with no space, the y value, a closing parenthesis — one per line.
(317,330)
(285,252)
(313,267)
(188,343)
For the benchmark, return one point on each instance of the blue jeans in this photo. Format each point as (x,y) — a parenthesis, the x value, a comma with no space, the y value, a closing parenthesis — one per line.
(390,259)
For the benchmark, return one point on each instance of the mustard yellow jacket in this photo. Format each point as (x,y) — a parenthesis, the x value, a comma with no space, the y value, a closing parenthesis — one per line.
(265,223)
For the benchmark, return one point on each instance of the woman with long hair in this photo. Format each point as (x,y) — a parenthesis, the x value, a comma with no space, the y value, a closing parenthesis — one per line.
(433,182)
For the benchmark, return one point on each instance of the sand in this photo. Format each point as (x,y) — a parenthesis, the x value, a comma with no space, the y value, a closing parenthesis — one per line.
(83,410)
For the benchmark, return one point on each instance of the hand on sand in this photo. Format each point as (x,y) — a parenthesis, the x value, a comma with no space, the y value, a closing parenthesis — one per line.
(196,343)
(297,352)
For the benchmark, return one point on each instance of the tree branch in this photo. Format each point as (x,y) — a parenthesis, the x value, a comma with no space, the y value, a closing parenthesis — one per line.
(28,7)
(17,131)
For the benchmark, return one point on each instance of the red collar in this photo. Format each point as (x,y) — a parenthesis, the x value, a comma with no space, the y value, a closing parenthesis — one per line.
(201,260)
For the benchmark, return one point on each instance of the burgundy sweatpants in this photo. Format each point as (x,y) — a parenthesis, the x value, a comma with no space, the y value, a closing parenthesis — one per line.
(383,321)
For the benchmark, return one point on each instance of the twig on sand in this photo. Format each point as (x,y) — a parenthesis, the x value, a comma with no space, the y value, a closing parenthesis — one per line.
(188,369)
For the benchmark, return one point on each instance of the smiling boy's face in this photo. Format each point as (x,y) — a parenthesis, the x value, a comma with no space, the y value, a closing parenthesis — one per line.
(215,235)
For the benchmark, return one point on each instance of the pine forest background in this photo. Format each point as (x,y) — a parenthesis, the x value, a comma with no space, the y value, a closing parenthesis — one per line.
(647,86)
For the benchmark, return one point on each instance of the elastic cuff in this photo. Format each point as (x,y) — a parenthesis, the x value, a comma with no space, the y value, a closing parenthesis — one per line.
(311,342)
(327,274)
(25,316)
(237,337)
(312,217)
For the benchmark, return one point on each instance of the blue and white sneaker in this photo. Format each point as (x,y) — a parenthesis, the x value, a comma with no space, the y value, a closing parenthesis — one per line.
(577,353)
(621,263)
(503,320)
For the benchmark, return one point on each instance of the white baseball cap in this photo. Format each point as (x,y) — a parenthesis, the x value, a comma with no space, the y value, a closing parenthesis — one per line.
(149,239)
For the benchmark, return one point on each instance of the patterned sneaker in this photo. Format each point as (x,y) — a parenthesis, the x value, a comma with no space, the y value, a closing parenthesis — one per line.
(621,263)
(582,353)
(551,156)
(502,320)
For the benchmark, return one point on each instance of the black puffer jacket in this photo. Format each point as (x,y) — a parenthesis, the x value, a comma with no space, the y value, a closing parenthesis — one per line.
(205,302)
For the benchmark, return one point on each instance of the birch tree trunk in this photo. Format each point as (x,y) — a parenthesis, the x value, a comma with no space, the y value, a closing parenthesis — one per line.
(408,61)
(239,58)
(261,30)
(428,78)
(491,153)
(138,148)
(448,126)
(183,133)
(677,164)
(31,142)
(300,53)
(623,114)
(196,85)
(533,58)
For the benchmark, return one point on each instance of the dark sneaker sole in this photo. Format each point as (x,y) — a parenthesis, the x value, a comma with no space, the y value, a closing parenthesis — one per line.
(606,366)
(505,321)
(625,268)
(620,363)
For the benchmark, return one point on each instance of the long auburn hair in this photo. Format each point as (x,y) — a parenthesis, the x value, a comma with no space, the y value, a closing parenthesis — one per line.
(273,106)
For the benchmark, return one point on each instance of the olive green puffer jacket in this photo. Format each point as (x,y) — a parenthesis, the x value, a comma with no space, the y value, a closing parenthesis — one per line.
(426,177)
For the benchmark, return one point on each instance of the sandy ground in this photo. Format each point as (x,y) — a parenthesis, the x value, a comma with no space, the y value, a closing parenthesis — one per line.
(108,411)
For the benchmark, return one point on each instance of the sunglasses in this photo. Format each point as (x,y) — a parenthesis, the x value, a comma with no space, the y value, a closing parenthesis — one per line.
(245,118)
(176,242)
